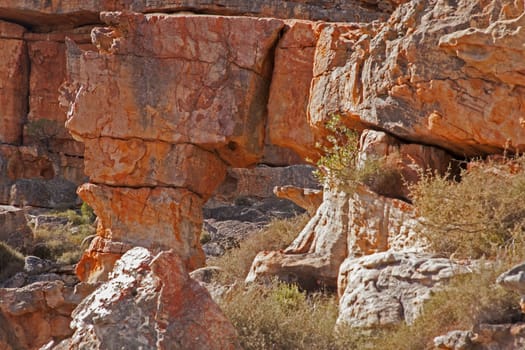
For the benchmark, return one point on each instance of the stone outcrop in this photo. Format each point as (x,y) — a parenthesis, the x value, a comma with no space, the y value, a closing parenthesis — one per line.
(32,316)
(44,15)
(386,288)
(150,302)
(387,76)
(14,71)
(36,151)
(345,225)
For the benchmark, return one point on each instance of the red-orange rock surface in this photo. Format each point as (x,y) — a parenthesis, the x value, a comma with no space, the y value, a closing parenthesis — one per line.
(33,315)
(438,74)
(160,218)
(138,163)
(14,70)
(45,120)
(208,87)
(292,74)
(45,14)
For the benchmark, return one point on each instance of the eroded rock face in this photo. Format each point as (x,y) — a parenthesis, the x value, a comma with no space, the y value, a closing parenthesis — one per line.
(160,218)
(74,13)
(345,225)
(294,57)
(150,302)
(36,314)
(386,288)
(470,105)
(223,110)
(14,70)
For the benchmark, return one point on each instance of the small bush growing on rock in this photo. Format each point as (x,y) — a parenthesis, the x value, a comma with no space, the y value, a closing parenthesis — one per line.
(340,167)
(467,301)
(277,235)
(481,215)
(11,261)
(280,316)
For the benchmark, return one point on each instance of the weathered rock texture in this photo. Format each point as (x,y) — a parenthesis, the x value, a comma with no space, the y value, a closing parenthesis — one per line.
(198,102)
(36,151)
(437,72)
(32,316)
(345,225)
(74,13)
(385,288)
(150,302)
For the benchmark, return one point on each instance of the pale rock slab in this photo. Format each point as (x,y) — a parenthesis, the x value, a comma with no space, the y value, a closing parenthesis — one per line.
(386,288)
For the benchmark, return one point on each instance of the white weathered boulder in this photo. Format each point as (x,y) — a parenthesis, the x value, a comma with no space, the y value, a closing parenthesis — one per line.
(150,302)
(386,288)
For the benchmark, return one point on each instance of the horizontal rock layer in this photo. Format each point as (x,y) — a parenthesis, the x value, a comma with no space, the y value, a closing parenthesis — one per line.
(44,15)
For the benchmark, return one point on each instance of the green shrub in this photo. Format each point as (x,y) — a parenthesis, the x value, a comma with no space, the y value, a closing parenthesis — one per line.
(482,215)
(340,167)
(205,237)
(281,317)
(87,213)
(466,302)
(61,244)
(11,261)
(277,235)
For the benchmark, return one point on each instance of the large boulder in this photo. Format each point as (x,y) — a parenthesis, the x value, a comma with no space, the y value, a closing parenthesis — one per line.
(150,302)
(223,110)
(383,289)
(160,218)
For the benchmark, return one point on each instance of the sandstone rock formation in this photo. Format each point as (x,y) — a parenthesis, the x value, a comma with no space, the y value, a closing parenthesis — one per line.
(150,302)
(345,225)
(66,14)
(151,147)
(385,288)
(36,314)
(387,76)
(36,152)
